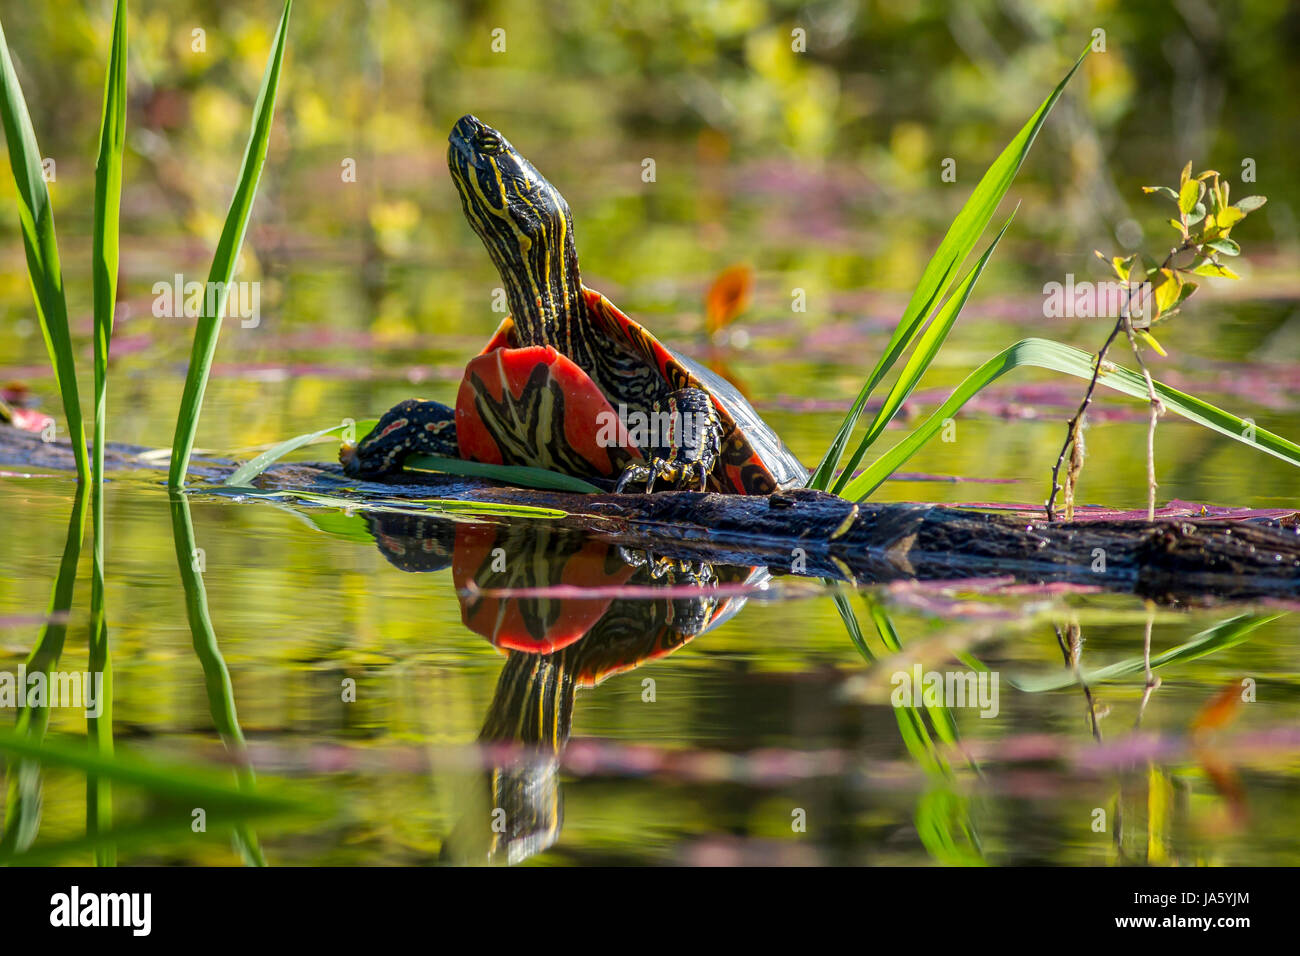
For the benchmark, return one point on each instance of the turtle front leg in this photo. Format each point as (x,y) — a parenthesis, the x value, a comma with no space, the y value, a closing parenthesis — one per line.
(412,427)
(690,434)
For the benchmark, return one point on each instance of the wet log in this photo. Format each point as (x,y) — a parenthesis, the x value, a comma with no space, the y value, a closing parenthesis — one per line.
(817,534)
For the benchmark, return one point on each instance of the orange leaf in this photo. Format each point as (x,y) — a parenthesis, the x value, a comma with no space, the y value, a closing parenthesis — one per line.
(1220,711)
(728,297)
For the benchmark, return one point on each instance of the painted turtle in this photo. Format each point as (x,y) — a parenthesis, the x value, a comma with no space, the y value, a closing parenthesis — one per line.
(568,382)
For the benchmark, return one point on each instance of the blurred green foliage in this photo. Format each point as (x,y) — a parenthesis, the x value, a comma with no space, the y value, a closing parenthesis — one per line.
(832,155)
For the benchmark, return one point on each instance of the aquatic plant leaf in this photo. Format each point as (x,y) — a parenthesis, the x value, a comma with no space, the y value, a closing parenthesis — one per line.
(255,466)
(225,259)
(1223,635)
(941,271)
(520,475)
(36,221)
(1058,357)
(927,349)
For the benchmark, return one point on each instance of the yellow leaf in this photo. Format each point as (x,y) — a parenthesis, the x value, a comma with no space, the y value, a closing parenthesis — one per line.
(1167,291)
(1150,340)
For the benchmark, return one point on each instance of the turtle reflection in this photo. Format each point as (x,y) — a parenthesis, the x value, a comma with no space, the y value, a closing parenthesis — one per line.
(558,603)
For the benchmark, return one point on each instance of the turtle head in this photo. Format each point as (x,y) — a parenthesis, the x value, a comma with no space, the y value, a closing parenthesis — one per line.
(525,224)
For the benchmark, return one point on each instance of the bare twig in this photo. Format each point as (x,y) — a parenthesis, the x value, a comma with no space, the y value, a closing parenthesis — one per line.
(1157,409)
(1071,431)
(1072,435)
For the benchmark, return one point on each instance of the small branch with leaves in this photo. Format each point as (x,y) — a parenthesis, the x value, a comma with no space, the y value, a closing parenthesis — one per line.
(1154,293)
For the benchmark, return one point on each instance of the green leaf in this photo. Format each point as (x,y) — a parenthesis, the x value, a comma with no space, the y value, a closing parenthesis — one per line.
(225,259)
(1188,196)
(251,469)
(941,271)
(1168,291)
(1227,217)
(451,506)
(922,356)
(36,221)
(1162,190)
(1250,203)
(1058,357)
(187,785)
(1207,268)
(1227,247)
(519,475)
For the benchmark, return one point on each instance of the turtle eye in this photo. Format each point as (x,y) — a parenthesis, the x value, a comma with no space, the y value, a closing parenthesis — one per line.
(489,144)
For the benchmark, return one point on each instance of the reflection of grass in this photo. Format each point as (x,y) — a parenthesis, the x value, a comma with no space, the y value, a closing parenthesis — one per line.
(23,805)
(942,816)
(1221,636)
(216,677)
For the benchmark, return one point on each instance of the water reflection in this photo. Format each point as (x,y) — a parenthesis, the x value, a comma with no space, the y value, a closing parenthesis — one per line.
(569,610)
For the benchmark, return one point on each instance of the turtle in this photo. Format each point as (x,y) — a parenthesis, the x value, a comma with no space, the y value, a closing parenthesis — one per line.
(568,382)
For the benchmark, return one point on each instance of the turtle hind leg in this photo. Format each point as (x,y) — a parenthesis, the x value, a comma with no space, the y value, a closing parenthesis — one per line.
(412,427)
(689,440)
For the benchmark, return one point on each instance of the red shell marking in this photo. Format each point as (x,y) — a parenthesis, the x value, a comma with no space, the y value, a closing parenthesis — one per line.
(534,406)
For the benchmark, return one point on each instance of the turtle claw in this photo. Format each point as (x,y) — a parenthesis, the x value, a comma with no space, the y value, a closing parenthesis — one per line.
(693,446)
(644,473)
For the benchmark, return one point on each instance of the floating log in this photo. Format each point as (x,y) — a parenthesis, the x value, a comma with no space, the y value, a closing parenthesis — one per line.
(816,534)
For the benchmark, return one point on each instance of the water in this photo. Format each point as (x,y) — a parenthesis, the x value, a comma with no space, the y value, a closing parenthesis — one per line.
(765,737)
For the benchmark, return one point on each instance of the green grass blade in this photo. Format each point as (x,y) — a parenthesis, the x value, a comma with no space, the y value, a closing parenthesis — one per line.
(186,786)
(36,219)
(410,506)
(936,333)
(520,475)
(1057,357)
(104,262)
(255,466)
(941,270)
(223,261)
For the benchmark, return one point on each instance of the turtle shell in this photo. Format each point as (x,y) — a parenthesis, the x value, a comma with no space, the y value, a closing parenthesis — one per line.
(753,459)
